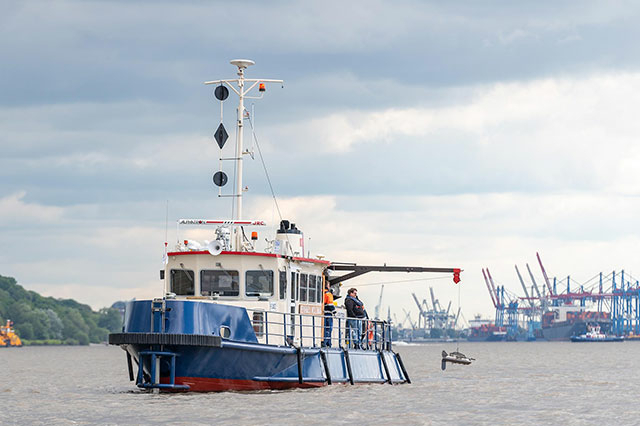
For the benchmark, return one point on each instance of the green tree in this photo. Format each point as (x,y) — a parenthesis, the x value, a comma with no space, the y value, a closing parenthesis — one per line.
(38,317)
(55,324)
(110,319)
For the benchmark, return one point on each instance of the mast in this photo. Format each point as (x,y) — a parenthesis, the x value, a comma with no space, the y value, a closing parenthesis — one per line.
(240,90)
(239,140)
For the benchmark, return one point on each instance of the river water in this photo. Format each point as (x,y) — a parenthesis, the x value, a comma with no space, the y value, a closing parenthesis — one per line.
(524,383)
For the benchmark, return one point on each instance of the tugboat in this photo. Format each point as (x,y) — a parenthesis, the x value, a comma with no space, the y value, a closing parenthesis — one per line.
(236,318)
(594,334)
(8,337)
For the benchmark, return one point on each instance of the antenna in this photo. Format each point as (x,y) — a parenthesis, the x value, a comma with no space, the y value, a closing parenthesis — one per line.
(242,63)
(238,87)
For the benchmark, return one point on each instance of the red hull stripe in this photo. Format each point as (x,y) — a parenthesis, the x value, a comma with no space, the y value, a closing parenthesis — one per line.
(204,384)
(247,253)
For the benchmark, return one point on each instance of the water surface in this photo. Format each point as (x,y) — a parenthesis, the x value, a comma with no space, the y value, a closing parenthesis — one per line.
(525,383)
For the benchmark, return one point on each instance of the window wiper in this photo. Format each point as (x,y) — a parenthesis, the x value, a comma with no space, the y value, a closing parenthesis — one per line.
(186,272)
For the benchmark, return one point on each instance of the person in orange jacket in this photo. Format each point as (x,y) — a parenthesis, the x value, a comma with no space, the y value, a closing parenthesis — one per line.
(329,310)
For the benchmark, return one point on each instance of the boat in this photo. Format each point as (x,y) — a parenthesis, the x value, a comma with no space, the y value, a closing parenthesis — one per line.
(234,316)
(594,334)
(562,322)
(455,357)
(8,336)
(484,330)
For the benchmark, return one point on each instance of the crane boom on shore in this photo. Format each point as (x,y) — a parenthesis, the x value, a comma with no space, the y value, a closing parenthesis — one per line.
(494,288)
(493,300)
(524,287)
(533,280)
(379,305)
(544,274)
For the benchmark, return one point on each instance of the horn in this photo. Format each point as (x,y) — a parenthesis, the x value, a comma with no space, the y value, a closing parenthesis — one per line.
(214,248)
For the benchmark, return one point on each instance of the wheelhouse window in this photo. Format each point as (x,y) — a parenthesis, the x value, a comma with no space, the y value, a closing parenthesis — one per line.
(182,282)
(283,285)
(219,281)
(303,287)
(312,289)
(315,291)
(259,283)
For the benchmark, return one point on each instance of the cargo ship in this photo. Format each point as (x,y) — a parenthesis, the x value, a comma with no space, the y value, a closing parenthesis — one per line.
(234,316)
(483,330)
(8,337)
(562,322)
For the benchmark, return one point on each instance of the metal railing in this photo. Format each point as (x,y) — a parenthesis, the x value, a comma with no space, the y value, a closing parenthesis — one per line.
(305,330)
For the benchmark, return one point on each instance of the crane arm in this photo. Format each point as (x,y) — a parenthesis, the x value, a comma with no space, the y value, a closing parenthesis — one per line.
(533,280)
(433,299)
(408,317)
(494,288)
(544,274)
(354,270)
(379,305)
(524,287)
(455,322)
(417,302)
(495,305)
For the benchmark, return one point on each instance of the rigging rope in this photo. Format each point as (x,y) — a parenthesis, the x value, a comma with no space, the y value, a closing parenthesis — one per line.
(458,339)
(266,172)
(264,166)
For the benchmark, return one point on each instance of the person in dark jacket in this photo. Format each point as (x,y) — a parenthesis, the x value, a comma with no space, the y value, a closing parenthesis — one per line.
(355,317)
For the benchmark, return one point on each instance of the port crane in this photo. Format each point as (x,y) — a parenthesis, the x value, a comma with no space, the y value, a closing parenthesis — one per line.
(614,299)
(408,318)
(379,305)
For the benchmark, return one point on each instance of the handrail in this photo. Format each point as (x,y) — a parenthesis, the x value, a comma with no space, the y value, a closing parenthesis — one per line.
(307,330)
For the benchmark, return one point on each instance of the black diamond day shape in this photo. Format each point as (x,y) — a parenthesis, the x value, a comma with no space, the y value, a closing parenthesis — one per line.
(221,135)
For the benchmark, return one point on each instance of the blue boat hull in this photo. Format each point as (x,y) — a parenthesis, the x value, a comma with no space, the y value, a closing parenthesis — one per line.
(243,368)
(200,360)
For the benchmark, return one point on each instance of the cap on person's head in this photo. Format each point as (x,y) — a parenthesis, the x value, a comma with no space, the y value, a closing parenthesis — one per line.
(351,290)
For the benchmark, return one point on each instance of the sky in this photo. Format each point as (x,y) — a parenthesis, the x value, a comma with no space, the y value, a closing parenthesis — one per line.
(447,134)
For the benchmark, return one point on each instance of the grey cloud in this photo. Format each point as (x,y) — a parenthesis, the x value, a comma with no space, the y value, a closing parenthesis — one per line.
(127,50)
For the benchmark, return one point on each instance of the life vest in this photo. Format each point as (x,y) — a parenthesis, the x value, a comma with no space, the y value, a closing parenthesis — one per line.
(328,298)
(369,331)
(358,307)
(328,301)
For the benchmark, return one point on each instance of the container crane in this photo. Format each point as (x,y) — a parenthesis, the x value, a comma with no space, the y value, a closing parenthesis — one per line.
(524,286)
(494,288)
(379,305)
(422,313)
(493,299)
(533,280)
(544,274)
(408,318)
(434,301)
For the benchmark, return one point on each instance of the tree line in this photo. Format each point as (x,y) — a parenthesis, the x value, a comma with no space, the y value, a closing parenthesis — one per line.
(50,320)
